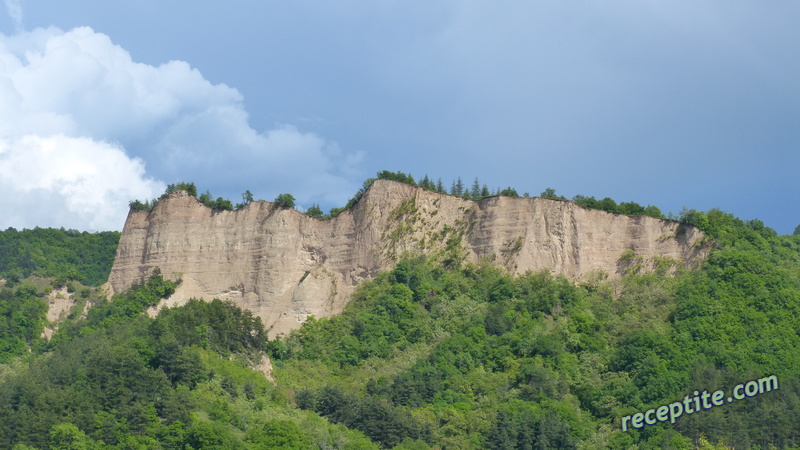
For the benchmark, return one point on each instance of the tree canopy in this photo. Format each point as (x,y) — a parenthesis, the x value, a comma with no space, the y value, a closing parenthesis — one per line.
(50,252)
(284,201)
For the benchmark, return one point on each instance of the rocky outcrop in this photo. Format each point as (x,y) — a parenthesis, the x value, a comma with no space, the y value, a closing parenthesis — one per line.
(285,266)
(60,302)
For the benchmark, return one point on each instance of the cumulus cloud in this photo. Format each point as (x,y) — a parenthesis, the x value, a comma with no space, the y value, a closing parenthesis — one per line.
(69,182)
(94,129)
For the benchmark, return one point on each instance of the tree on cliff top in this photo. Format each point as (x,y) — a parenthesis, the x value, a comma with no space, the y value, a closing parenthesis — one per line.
(284,201)
(397,176)
(247,198)
(190,188)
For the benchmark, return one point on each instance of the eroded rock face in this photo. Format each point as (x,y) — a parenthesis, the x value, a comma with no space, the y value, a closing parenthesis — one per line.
(285,266)
(59,302)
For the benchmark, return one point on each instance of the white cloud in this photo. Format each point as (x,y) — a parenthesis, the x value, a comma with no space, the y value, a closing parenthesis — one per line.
(69,182)
(91,87)
(80,118)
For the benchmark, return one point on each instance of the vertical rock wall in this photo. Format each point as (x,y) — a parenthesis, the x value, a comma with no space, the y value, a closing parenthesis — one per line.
(285,266)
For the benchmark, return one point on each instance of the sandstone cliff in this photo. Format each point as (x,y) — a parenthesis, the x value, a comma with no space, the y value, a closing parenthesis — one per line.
(285,266)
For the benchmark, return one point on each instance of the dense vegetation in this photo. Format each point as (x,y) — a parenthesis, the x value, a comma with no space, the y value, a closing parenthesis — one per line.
(119,379)
(49,252)
(472,358)
(22,320)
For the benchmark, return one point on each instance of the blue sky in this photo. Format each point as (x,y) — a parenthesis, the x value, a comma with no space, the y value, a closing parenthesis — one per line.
(674,104)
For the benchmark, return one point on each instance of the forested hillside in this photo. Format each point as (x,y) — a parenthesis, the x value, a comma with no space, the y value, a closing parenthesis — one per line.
(432,354)
(468,357)
(49,252)
(119,379)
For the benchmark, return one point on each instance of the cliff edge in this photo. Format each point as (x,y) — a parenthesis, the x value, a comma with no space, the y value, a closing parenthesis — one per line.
(285,266)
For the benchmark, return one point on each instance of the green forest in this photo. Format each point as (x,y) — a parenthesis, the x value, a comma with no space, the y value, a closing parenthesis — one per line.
(436,353)
(49,252)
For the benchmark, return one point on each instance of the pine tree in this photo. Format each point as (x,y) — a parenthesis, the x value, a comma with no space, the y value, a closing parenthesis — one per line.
(502,435)
(427,184)
(475,192)
(458,187)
